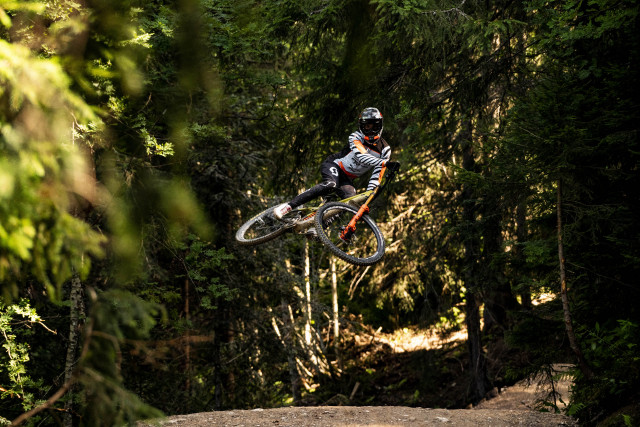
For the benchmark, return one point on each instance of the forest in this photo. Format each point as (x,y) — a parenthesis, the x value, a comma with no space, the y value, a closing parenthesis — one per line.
(137,136)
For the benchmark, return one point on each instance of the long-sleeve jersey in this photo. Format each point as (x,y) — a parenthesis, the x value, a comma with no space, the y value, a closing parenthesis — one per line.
(359,158)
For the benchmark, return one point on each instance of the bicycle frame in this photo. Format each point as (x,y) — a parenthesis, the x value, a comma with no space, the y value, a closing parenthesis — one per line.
(307,215)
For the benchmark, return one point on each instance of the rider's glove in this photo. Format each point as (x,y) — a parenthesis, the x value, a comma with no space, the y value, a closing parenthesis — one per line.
(394,166)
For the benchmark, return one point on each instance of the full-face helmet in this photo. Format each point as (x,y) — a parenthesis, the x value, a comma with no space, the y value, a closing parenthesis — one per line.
(370,123)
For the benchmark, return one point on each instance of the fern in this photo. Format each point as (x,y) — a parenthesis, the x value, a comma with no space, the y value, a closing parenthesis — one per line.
(17,384)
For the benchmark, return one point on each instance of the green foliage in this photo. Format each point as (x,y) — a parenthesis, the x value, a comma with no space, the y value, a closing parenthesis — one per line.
(576,124)
(613,351)
(16,321)
(204,265)
(539,336)
(75,163)
(41,169)
(126,126)
(118,319)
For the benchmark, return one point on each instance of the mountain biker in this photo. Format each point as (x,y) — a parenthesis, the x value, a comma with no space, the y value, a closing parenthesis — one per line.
(367,150)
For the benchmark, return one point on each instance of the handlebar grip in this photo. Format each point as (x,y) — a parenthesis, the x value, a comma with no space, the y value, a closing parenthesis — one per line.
(393,166)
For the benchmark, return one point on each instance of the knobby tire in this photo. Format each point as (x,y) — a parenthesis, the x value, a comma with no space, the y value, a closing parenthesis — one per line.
(367,249)
(261,228)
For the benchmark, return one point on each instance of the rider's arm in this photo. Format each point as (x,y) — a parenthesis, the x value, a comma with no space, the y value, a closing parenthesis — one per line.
(362,155)
(378,171)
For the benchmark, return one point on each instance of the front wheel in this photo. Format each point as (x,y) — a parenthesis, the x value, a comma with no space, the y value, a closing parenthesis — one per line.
(261,228)
(364,247)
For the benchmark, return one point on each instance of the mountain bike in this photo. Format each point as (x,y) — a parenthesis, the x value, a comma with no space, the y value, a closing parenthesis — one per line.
(343,226)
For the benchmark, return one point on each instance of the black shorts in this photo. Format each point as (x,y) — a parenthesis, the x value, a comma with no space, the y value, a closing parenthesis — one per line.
(333,179)
(333,176)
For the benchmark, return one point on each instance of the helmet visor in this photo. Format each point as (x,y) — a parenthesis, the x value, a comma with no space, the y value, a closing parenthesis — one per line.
(371,127)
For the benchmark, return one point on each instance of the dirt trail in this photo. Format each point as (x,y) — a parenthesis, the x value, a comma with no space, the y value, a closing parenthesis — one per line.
(382,416)
(528,396)
(513,407)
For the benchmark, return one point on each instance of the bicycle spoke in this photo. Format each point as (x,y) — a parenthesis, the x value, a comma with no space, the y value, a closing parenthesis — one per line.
(261,228)
(364,246)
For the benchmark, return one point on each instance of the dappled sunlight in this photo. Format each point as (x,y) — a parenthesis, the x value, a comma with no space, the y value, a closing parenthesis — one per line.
(409,339)
(543,298)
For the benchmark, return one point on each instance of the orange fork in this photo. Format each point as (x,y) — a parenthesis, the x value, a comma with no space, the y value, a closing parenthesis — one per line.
(351,227)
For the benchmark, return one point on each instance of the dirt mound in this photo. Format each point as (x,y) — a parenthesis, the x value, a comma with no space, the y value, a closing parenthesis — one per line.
(324,416)
(514,405)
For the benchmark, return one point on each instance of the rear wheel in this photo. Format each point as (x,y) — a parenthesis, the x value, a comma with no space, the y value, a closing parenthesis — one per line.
(261,228)
(364,247)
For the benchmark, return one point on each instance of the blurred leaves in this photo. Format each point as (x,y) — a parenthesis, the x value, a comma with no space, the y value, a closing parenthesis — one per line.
(41,169)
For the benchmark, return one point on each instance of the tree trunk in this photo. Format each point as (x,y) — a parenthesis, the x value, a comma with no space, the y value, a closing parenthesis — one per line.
(218,333)
(521,237)
(573,343)
(77,306)
(289,337)
(498,296)
(478,370)
(478,367)
(187,346)
(334,298)
(77,313)
(307,295)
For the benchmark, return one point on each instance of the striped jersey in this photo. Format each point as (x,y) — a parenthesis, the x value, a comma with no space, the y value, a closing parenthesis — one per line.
(359,158)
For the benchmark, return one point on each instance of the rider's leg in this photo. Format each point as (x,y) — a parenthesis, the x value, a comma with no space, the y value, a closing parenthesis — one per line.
(330,179)
(319,190)
(346,190)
